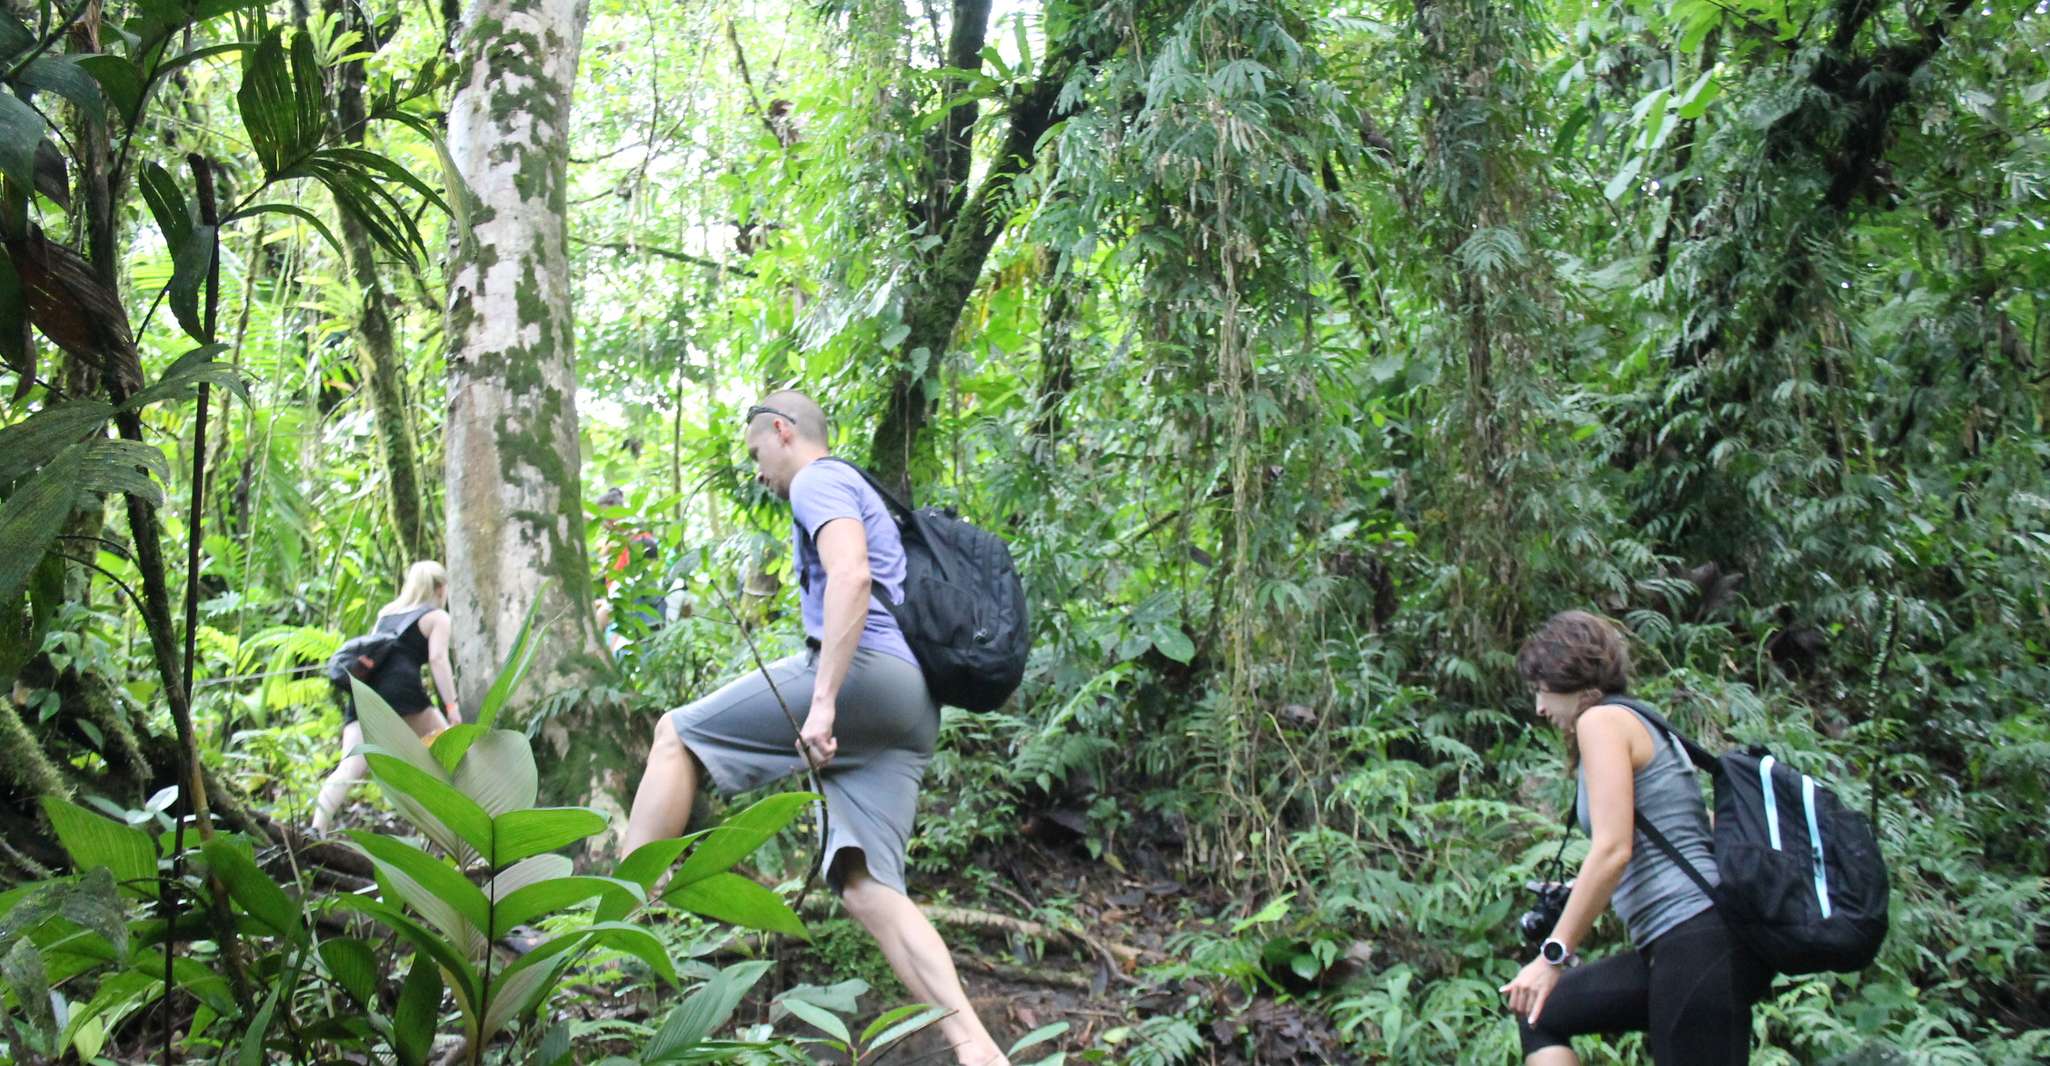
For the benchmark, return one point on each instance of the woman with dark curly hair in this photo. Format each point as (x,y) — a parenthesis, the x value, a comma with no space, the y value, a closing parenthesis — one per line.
(1688,983)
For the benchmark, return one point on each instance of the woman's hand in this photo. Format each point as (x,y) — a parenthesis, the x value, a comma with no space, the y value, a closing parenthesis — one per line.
(1532,986)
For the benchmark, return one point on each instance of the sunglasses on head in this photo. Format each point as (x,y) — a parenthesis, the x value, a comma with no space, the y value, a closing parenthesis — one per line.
(758,409)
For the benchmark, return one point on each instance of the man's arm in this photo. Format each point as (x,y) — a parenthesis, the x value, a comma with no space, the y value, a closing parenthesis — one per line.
(843,551)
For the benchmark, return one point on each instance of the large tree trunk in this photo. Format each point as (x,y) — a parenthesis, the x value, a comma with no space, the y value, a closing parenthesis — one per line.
(382,367)
(515,513)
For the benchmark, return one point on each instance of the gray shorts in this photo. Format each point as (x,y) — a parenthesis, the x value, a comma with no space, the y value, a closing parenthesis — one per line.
(885,723)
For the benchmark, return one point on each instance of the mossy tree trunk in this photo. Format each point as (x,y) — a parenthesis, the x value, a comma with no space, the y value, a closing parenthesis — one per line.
(514,501)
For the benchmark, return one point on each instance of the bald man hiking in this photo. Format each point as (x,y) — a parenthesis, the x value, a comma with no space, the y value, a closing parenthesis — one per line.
(868,717)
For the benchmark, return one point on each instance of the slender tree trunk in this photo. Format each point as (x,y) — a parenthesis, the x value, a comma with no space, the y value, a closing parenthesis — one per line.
(380,360)
(515,512)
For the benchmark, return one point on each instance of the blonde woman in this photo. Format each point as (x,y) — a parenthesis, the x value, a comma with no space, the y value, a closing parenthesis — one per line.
(420,619)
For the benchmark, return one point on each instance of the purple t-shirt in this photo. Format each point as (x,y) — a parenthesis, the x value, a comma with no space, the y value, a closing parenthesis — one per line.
(820,493)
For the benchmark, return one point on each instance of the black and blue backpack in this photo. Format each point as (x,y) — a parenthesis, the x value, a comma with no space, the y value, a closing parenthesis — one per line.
(1803,883)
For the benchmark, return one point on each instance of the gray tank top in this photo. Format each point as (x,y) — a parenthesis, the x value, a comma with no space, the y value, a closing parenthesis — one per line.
(1656,894)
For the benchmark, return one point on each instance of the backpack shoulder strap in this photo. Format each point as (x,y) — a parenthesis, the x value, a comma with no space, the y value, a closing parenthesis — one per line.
(1700,756)
(1644,826)
(1660,839)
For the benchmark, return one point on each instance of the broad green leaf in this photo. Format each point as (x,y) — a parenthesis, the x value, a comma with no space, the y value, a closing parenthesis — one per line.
(1037,1036)
(704,1010)
(547,897)
(248,885)
(433,887)
(21,130)
(897,1024)
(21,970)
(499,773)
(519,985)
(123,466)
(31,518)
(119,82)
(422,939)
(738,836)
(185,375)
(62,75)
(528,871)
(453,743)
(821,1019)
(646,866)
(93,841)
(638,942)
(518,834)
(1174,643)
(449,807)
(354,966)
(731,898)
(417,1013)
(40,437)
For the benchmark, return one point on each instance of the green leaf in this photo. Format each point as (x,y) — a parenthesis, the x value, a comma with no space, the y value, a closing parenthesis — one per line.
(417,1013)
(704,1010)
(21,970)
(123,466)
(119,82)
(248,885)
(528,871)
(738,836)
(731,898)
(821,1019)
(64,76)
(434,888)
(453,743)
(1624,178)
(21,130)
(388,733)
(518,834)
(498,772)
(354,966)
(185,375)
(422,939)
(546,897)
(638,942)
(38,438)
(1174,643)
(189,266)
(93,841)
(897,1024)
(1037,1036)
(522,983)
(259,1028)
(31,518)
(167,204)
(524,648)
(449,807)
(283,100)
(293,211)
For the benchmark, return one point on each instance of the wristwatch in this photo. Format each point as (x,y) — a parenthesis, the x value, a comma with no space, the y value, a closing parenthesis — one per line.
(1554,951)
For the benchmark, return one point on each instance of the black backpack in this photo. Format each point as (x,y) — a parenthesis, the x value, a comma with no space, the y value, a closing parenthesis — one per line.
(359,657)
(964,609)
(1803,883)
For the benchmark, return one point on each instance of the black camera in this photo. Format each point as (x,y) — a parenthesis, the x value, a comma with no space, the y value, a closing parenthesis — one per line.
(1536,923)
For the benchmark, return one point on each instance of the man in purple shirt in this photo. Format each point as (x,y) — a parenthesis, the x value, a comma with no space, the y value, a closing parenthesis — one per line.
(871,758)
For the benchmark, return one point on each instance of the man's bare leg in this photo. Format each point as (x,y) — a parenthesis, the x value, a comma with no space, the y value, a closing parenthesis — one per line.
(920,959)
(1552,1056)
(662,804)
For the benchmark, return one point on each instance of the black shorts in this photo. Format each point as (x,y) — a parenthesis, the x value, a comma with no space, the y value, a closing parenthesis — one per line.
(1690,991)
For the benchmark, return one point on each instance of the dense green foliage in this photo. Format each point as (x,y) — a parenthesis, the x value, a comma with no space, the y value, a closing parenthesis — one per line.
(1310,356)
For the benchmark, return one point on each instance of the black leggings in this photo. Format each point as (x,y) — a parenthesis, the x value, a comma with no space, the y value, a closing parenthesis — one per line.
(1690,991)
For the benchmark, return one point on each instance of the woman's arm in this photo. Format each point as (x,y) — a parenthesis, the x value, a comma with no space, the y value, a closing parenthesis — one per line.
(436,625)
(1610,752)
(1606,753)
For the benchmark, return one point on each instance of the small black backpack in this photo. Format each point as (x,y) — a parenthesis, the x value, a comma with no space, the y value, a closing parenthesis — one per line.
(359,657)
(964,611)
(1803,883)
